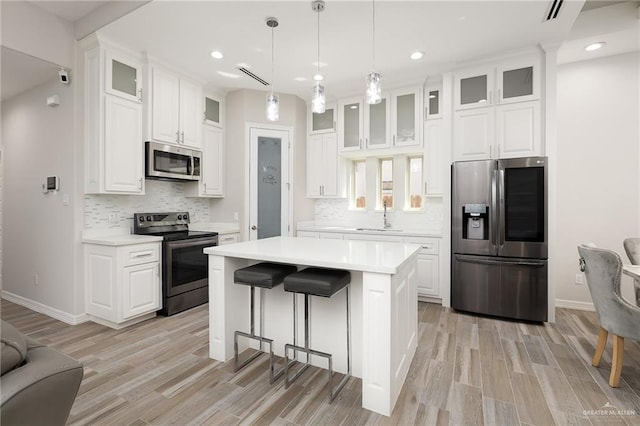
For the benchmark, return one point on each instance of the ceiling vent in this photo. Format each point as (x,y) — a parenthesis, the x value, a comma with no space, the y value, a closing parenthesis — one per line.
(554,9)
(253,76)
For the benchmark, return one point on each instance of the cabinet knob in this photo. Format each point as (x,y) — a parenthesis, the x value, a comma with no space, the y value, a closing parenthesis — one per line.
(182,137)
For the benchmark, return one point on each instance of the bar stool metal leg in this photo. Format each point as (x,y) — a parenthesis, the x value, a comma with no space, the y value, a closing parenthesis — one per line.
(333,391)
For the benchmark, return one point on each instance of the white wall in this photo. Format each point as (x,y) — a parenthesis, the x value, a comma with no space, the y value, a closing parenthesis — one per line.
(598,163)
(32,30)
(248,106)
(39,231)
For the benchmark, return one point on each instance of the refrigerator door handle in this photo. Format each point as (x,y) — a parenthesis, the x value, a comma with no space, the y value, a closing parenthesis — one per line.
(494,210)
(501,206)
(500,261)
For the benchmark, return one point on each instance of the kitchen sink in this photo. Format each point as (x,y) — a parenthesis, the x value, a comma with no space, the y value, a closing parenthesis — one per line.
(379,229)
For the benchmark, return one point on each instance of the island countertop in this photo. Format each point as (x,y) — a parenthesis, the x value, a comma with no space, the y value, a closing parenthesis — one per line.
(365,256)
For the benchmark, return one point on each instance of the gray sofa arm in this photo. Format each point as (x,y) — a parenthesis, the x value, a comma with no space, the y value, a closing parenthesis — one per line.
(42,391)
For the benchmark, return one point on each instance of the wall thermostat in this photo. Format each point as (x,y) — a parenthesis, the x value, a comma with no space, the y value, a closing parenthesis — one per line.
(53,183)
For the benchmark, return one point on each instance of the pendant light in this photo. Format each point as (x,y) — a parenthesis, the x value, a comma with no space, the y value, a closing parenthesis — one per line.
(273,102)
(374,91)
(318,99)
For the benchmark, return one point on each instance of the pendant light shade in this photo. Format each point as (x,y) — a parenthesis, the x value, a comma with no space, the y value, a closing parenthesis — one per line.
(374,89)
(318,99)
(273,102)
(273,107)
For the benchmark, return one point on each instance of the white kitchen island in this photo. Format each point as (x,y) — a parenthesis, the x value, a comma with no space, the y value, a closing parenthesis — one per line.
(383,307)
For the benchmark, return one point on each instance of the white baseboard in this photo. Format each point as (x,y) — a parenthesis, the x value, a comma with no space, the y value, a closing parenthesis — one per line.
(44,309)
(572,304)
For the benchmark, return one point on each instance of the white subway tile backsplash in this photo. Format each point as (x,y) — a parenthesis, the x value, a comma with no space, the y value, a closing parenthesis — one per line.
(332,211)
(160,196)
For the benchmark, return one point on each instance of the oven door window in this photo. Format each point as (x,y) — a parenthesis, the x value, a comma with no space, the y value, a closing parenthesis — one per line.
(187,266)
(170,162)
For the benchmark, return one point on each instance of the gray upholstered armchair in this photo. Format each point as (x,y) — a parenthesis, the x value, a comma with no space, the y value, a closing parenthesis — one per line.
(632,247)
(603,269)
(39,384)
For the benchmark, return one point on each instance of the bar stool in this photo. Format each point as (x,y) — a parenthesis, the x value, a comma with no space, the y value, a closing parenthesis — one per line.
(324,283)
(265,276)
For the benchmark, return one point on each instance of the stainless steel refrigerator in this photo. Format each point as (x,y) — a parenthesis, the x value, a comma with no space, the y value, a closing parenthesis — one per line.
(499,237)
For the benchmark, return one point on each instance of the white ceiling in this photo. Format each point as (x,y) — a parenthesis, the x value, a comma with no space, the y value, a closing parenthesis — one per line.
(22,72)
(70,10)
(449,32)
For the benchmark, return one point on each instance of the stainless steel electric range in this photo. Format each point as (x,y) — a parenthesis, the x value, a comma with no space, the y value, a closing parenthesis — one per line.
(184,265)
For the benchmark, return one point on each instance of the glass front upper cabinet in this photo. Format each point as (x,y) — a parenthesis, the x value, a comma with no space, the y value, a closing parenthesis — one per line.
(473,89)
(213,111)
(377,124)
(406,113)
(123,76)
(518,82)
(324,122)
(350,135)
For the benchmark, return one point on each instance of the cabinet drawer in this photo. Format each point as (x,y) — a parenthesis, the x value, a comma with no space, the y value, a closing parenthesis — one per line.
(227,239)
(140,253)
(429,245)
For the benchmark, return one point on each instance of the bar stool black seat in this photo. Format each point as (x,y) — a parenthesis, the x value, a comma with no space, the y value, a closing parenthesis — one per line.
(321,282)
(264,276)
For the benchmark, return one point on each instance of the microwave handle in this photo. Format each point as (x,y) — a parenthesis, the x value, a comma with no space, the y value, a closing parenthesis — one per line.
(192,163)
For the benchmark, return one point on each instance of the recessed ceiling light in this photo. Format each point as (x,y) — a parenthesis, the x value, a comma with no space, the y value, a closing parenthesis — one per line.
(594,46)
(229,74)
(318,77)
(300,79)
(217,54)
(417,55)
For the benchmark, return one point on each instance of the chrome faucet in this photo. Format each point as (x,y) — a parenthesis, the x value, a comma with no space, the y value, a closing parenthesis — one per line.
(386,222)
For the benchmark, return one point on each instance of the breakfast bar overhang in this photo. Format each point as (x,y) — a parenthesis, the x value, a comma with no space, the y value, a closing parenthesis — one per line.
(383,307)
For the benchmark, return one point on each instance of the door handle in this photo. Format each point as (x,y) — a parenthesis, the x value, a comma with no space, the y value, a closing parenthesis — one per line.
(254,228)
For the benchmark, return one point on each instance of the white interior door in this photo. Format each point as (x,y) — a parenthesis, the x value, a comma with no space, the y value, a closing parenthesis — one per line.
(269,194)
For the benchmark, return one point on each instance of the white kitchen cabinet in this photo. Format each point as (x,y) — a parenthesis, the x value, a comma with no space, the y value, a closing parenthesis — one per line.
(322,123)
(122,282)
(114,147)
(433,102)
(350,124)
(224,239)
(374,237)
(123,75)
(176,109)
(473,134)
(214,110)
(324,168)
(123,159)
(307,234)
(377,131)
(498,110)
(406,117)
(211,183)
(434,134)
(518,130)
(427,273)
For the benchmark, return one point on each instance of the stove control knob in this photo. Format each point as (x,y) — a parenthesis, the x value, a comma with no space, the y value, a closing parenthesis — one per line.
(179,217)
(141,219)
(148,218)
(185,217)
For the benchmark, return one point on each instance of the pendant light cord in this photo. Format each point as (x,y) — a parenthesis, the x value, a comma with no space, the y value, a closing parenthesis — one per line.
(318,40)
(273,81)
(373,2)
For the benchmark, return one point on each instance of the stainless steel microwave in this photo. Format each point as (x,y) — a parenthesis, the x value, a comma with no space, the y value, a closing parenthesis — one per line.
(171,162)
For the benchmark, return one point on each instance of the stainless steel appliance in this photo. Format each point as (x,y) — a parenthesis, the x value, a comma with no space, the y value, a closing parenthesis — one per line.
(185,278)
(499,237)
(171,162)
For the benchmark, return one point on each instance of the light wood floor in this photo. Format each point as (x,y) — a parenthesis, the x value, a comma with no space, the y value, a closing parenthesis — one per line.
(467,370)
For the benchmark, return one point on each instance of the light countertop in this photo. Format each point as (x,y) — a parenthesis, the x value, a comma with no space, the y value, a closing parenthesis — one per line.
(413,232)
(354,255)
(632,271)
(120,239)
(221,228)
